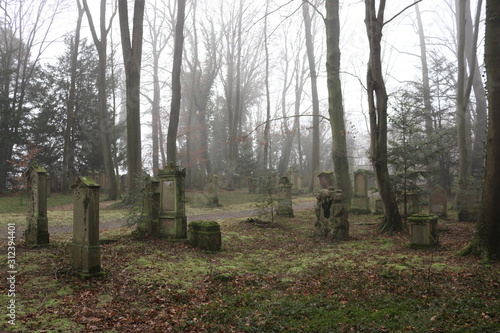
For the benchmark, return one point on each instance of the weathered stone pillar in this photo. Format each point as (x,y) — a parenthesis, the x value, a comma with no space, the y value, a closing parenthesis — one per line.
(423,230)
(332,216)
(85,251)
(360,203)
(213,191)
(285,207)
(148,221)
(172,222)
(37,230)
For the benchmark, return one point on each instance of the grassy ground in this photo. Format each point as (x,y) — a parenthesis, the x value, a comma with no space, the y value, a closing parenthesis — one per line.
(273,279)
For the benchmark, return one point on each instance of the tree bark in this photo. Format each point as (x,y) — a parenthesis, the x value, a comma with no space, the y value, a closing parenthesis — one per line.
(377,103)
(314,92)
(175,106)
(488,224)
(132,54)
(335,105)
(267,127)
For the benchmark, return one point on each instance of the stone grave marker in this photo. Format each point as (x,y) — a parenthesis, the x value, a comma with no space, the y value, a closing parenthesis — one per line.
(332,217)
(148,221)
(213,191)
(438,203)
(360,203)
(423,230)
(37,230)
(285,207)
(326,179)
(85,250)
(172,221)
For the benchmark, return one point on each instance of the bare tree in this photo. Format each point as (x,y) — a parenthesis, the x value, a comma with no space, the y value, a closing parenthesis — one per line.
(106,127)
(335,105)
(68,157)
(176,85)
(132,54)
(377,103)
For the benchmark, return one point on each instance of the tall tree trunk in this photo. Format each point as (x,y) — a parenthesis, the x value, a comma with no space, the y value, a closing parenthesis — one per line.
(488,224)
(267,127)
(464,196)
(377,103)
(314,92)
(105,127)
(425,75)
(176,85)
(132,54)
(335,106)
(68,157)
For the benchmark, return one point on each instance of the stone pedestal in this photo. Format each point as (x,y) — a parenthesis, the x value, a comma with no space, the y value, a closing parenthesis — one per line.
(332,216)
(37,230)
(284,208)
(423,230)
(85,249)
(205,235)
(148,221)
(172,221)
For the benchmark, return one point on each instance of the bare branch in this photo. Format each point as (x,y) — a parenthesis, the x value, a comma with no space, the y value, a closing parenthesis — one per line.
(410,5)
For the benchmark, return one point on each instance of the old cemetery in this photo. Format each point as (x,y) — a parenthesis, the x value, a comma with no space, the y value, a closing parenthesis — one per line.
(213,260)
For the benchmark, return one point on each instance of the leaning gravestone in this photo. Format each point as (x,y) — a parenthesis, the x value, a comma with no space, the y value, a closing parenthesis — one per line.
(37,231)
(285,208)
(332,217)
(172,222)
(85,250)
(360,203)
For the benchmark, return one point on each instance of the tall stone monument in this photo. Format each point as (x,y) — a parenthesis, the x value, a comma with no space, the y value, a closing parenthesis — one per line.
(37,230)
(172,222)
(438,203)
(285,207)
(213,191)
(148,221)
(85,253)
(360,203)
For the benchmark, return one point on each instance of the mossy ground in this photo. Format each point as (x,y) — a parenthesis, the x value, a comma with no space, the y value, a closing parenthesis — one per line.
(277,279)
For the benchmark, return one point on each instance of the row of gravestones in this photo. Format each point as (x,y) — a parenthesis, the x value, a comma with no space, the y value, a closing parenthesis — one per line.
(163,214)
(360,202)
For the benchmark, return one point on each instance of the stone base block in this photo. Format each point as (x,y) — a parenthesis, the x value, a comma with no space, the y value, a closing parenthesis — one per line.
(423,230)
(85,258)
(205,235)
(174,227)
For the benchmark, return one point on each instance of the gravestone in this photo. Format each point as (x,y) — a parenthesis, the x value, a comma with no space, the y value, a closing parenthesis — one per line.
(332,217)
(213,191)
(284,208)
(423,230)
(172,221)
(438,203)
(360,203)
(205,235)
(326,180)
(85,250)
(37,230)
(148,221)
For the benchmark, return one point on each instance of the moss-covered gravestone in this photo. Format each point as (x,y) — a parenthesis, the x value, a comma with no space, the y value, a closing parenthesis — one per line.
(285,208)
(172,221)
(423,230)
(37,230)
(332,217)
(438,201)
(85,251)
(148,221)
(205,235)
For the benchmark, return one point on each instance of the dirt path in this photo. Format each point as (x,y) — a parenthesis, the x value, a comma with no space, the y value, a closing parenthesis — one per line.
(119,223)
